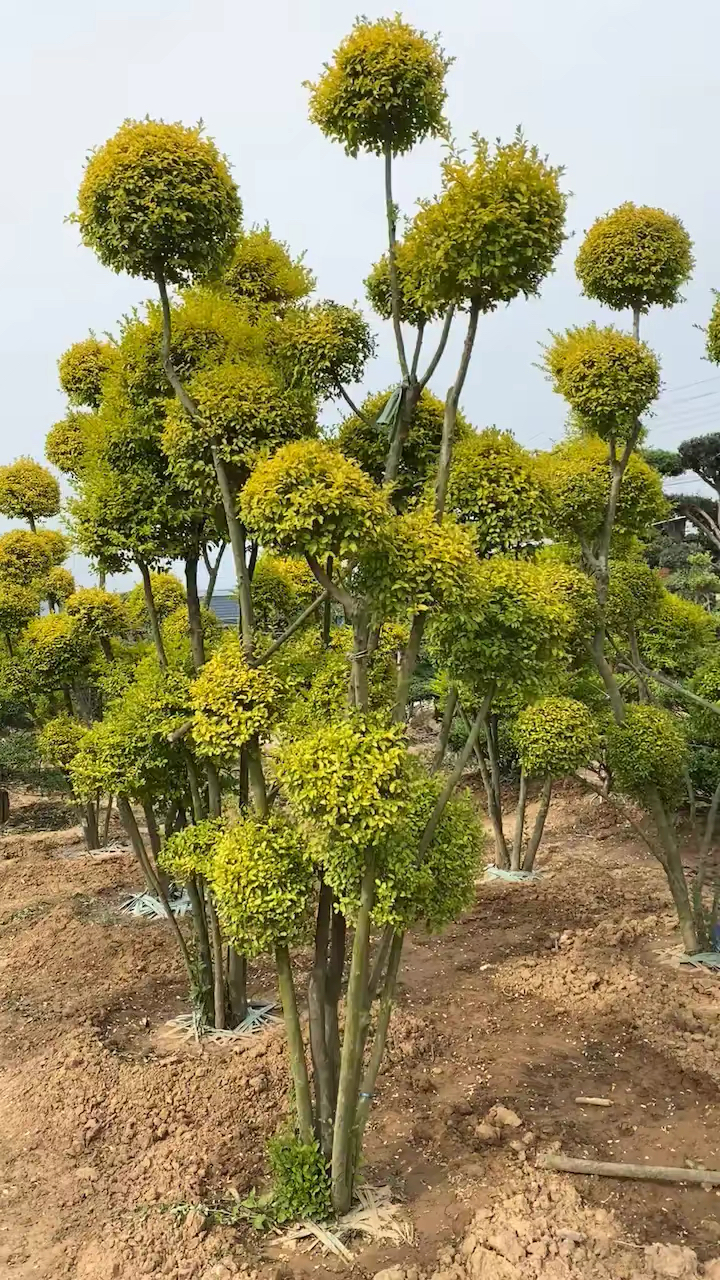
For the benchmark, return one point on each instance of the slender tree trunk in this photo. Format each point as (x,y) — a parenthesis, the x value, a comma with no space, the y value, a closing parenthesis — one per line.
(380,960)
(108,815)
(446,727)
(460,766)
(216,948)
(451,407)
(106,647)
(327,608)
(407,666)
(333,990)
(519,823)
(203,945)
(213,571)
(296,1049)
(127,817)
(636,323)
(672,864)
(378,1048)
(317,986)
(237,986)
(152,614)
(351,1056)
(90,827)
(539,827)
(391,215)
(197,643)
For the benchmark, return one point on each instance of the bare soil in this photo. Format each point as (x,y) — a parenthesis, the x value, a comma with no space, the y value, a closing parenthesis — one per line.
(545,992)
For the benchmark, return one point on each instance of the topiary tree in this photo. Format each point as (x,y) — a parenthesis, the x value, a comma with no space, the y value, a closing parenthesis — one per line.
(82,370)
(263,273)
(18,604)
(24,557)
(555,737)
(67,440)
(99,613)
(28,492)
(635,258)
(394,848)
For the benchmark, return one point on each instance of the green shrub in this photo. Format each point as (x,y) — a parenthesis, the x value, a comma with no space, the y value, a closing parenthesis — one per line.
(648,750)
(555,737)
(301,1180)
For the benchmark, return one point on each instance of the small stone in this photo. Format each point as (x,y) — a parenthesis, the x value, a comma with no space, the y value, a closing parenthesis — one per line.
(86,1173)
(258,1084)
(674,1261)
(507,1244)
(194,1223)
(712,1269)
(504,1117)
(390,1273)
(484,1132)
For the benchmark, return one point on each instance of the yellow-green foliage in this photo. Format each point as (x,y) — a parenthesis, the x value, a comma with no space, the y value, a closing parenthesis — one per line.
(231,702)
(634,596)
(494,487)
(577,592)
(281,589)
(433,890)
(18,605)
(59,741)
(648,750)
(55,543)
(379,292)
(128,752)
(635,256)
(555,737)
(56,650)
(66,442)
(59,584)
(24,557)
(98,612)
(308,499)
(607,377)
(208,328)
(243,407)
(326,345)
(385,88)
(83,369)
(420,565)
(712,336)
(158,197)
(493,233)
(28,491)
(577,476)
(513,628)
(168,594)
(189,852)
(262,876)
(349,778)
(263,273)
(315,679)
(704,725)
(678,639)
(176,629)
(368,443)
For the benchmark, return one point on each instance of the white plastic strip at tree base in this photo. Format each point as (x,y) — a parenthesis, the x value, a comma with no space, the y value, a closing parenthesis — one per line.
(150,908)
(190,1026)
(703,959)
(515,877)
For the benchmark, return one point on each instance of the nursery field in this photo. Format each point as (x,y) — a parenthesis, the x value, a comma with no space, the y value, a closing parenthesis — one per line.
(117,1136)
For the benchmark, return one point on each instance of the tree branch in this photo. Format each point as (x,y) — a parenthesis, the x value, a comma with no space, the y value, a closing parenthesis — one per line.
(394,286)
(440,350)
(451,407)
(359,413)
(344,598)
(433,821)
(289,631)
(418,349)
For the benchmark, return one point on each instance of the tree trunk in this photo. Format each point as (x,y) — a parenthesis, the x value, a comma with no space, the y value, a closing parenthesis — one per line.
(539,827)
(197,644)
(519,823)
(446,727)
(237,986)
(203,945)
(333,990)
(217,964)
(317,987)
(296,1049)
(152,614)
(376,1054)
(90,827)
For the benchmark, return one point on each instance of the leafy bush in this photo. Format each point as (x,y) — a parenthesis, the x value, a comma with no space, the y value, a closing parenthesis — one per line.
(494,487)
(281,588)
(59,741)
(648,750)
(385,87)
(190,851)
(262,272)
(98,612)
(301,1180)
(67,440)
(83,369)
(28,491)
(577,475)
(159,197)
(607,377)
(168,594)
(678,638)
(24,557)
(635,256)
(555,737)
(231,702)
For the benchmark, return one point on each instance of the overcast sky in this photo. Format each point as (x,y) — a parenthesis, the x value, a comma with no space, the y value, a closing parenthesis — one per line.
(624,94)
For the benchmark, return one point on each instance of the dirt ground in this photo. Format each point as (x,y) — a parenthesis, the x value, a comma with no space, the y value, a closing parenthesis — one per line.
(543,993)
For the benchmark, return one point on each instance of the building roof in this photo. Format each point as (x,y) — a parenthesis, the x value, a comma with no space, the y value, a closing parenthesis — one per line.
(225,607)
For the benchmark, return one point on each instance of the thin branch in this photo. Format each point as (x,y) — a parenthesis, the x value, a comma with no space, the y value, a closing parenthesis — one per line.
(418,349)
(620,808)
(433,821)
(394,286)
(212,572)
(451,407)
(332,588)
(440,350)
(359,413)
(642,672)
(290,630)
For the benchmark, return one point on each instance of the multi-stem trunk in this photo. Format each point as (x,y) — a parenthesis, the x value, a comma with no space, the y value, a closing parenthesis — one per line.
(539,827)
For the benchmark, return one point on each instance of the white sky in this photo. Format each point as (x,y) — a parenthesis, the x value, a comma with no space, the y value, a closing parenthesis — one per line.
(624,94)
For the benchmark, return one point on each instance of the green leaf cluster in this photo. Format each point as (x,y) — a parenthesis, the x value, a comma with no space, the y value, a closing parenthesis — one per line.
(635,257)
(379,292)
(158,198)
(67,440)
(419,565)
(59,585)
(325,346)
(679,638)
(555,737)
(300,1178)
(262,875)
(281,588)
(308,499)
(28,491)
(607,378)
(492,234)
(82,370)
(635,595)
(18,604)
(55,649)
(648,750)
(189,852)
(385,88)
(59,741)
(576,474)
(367,442)
(262,272)
(494,487)
(98,612)
(231,702)
(168,593)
